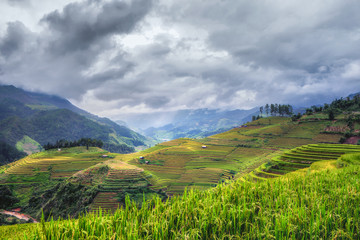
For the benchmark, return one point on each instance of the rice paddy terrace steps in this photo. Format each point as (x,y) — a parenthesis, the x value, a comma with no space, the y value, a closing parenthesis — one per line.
(59,164)
(299,158)
(121,178)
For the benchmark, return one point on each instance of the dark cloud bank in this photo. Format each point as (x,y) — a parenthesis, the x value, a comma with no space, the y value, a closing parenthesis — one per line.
(193,54)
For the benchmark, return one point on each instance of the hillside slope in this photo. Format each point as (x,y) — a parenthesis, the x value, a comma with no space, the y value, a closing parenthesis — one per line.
(318,203)
(36,119)
(169,167)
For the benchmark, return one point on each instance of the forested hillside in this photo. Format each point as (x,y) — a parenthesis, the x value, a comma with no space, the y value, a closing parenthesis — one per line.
(29,120)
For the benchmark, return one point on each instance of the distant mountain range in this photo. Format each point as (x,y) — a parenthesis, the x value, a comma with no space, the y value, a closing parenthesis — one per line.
(29,120)
(188,123)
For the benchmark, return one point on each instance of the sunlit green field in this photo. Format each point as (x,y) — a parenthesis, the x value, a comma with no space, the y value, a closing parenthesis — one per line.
(320,202)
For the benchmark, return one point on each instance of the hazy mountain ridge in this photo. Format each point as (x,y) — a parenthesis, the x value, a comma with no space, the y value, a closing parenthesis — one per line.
(193,123)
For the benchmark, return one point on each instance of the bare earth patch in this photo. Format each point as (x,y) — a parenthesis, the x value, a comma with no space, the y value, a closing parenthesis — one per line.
(352,140)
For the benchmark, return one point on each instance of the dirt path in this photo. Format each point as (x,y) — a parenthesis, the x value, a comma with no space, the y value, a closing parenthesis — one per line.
(19,215)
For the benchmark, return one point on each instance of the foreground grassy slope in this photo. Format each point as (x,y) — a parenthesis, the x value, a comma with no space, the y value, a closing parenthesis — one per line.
(320,202)
(299,158)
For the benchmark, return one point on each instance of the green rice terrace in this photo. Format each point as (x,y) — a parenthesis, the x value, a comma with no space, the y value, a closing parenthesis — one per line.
(320,201)
(265,151)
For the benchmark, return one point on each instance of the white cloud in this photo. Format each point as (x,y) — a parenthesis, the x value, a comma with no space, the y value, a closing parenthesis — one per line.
(114,57)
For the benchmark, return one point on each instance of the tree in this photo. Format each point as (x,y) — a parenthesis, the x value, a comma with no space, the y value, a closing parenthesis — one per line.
(331,115)
(267,109)
(272,109)
(276,108)
(261,110)
(281,109)
(290,110)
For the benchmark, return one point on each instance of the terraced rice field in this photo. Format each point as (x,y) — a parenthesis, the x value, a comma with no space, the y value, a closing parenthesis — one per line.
(172,166)
(186,164)
(121,177)
(58,164)
(299,158)
(183,163)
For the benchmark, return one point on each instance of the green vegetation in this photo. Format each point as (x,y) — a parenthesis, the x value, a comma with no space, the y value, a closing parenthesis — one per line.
(304,157)
(6,197)
(9,153)
(280,190)
(29,120)
(11,220)
(320,202)
(274,110)
(72,181)
(168,167)
(184,163)
(88,142)
(28,145)
(61,201)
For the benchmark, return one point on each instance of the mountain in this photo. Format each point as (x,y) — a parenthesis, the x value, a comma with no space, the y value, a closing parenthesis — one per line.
(29,120)
(351,96)
(189,123)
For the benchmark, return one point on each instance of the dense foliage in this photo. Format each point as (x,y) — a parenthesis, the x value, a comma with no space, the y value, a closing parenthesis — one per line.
(9,153)
(7,199)
(88,142)
(349,104)
(118,148)
(63,200)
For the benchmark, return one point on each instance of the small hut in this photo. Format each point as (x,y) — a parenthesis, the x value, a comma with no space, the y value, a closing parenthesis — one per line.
(142,158)
(204,146)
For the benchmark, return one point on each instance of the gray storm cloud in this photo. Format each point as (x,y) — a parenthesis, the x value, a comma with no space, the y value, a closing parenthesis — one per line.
(120,56)
(61,58)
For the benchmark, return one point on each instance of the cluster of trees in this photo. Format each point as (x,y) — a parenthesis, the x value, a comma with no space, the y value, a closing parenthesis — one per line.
(345,104)
(276,109)
(118,148)
(88,142)
(349,104)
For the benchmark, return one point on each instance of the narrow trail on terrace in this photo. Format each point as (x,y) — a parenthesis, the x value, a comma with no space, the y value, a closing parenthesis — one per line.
(19,215)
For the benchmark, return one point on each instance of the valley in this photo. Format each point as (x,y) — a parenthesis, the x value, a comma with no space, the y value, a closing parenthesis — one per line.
(68,182)
(166,169)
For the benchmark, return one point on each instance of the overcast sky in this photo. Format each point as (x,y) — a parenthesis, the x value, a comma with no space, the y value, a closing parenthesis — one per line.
(112,57)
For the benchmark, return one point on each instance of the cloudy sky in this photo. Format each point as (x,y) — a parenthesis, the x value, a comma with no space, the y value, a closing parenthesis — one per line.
(112,57)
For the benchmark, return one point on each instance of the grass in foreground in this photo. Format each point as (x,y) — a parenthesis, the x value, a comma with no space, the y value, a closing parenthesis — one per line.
(319,204)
